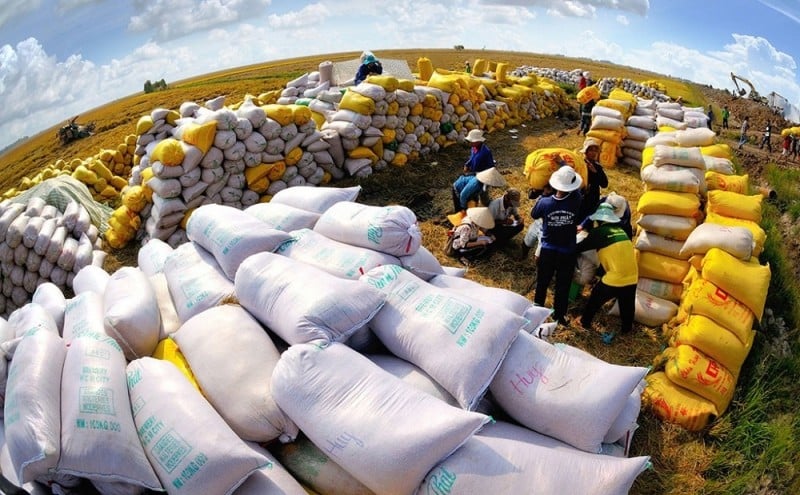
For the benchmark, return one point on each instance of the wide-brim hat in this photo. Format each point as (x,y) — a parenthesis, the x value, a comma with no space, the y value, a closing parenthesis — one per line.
(481,216)
(491,177)
(476,136)
(565,179)
(589,143)
(617,202)
(604,213)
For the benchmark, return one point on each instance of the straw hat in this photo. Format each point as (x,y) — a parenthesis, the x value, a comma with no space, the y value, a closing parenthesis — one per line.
(617,202)
(513,196)
(491,177)
(604,213)
(589,143)
(476,136)
(565,179)
(482,217)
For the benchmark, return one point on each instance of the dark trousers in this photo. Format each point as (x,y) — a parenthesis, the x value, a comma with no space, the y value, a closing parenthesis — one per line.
(502,233)
(766,141)
(626,298)
(552,262)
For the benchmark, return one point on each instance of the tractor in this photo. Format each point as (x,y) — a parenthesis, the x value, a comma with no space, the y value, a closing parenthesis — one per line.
(72,131)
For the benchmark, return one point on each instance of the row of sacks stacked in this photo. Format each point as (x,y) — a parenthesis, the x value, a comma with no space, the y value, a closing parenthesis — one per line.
(700,277)
(263,359)
(39,243)
(609,121)
(247,152)
(105,173)
(647,90)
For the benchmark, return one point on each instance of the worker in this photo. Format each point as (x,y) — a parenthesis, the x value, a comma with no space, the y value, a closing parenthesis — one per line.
(559,215)
(480,156)
(507,220)
(596,178)
(622,209)
(369,65)
(475,188)
(616,255)
(725,115)
(469,240)
(710,117)
(467,67)
(766,139)
(743,132)
(583,81)
(586,117)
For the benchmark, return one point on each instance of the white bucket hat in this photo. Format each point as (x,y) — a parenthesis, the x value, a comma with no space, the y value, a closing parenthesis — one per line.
(565,179)
(617,202)
(588,143)
(482,217)
(491,177)
(604,213)
(475,136)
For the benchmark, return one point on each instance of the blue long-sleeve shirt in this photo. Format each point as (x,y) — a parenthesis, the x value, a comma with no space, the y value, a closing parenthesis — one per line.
(479,160)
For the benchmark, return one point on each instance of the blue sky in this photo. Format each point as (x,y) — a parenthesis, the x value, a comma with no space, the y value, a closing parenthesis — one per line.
(59,58)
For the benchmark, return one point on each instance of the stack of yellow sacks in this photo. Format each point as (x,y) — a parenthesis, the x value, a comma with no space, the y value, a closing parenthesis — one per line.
(609,116)
(725,290)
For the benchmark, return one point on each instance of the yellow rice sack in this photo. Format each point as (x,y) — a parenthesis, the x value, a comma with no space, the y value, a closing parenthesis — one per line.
(747,281)
(134,198)
(689,368)
(735,205)
(357,103)
(681,204)
(675,404)
(301,114)
(660,267)
(167,350)
(730,183)
(720,150)
(200,135)
(624,107)
(540,165)
(648,154)
(605,136)
(425,68)
(144,124)
(704,298)
(716,341)
(281,114)
(588,94)
(169,152)
(389,83)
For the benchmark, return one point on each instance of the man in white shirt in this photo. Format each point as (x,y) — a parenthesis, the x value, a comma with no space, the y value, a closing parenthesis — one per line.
(507,220)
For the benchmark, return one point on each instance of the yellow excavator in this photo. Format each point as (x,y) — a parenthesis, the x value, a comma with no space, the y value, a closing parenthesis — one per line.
(753,95)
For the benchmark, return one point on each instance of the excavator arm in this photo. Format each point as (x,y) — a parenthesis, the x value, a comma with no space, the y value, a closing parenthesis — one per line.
(753,93)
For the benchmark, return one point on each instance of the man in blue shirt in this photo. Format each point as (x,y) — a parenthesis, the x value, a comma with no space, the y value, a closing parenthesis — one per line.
(559,214)
(369,65)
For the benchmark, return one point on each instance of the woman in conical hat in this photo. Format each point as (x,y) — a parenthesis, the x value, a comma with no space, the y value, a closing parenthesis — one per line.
(468,240)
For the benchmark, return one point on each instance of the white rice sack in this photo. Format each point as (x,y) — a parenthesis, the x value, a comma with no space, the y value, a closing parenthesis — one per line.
(10,213)
(702,136)
(98,436)
(738,241)
(557,395)
(638,134)
(315,469)
(674,178)
(598,110)
(170,321)
(83,314)
(236,382)
(663,121)
(507,299)
(506,458)
(660,288)
(675,155)
(662,138)
(412,375)
(670,113)
(302,303)
(52,299)
(717,164)
(671,226)
(642,122)
(607,123)
(422,263)
(196,282)
(586,267)
(231,235)
(152,255)
(337,258)
(465,340)
(388,229)
(131,313)
(66,261)
(31,318)
(625,424)
(357,400)
(272,479)
(315,199)
(188,444)
(283,217)
(45,233)
(15,230)
(31,232)
(70,217)
(649,310)
(32,411)
(90,278)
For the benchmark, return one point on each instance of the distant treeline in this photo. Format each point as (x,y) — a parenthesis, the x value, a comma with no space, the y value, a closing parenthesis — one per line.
(149,86)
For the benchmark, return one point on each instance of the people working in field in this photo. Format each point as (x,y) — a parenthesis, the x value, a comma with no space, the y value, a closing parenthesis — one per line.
(472,190)
(369,65)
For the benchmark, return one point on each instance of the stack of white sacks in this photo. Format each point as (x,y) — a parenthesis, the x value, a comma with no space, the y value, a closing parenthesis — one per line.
(639,127)
(300,321)
(40,243)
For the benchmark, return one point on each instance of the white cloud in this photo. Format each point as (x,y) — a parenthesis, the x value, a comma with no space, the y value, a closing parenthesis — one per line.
(9,9)
(313,13)
(171,19)
(623,20)
(579,8)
